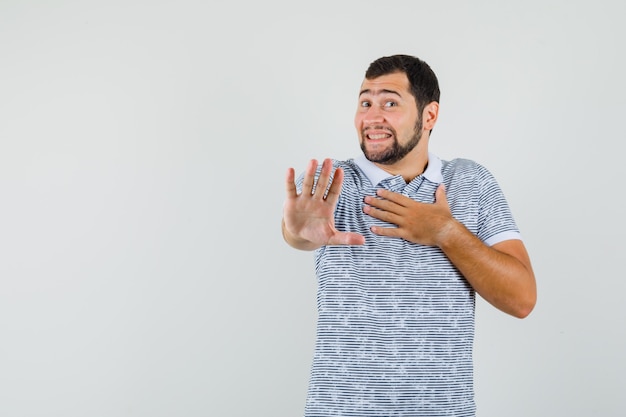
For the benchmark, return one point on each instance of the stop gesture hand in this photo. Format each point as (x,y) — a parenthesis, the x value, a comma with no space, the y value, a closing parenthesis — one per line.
(308,217)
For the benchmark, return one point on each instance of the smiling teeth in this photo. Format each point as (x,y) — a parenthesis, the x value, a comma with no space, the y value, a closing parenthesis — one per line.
(381,136)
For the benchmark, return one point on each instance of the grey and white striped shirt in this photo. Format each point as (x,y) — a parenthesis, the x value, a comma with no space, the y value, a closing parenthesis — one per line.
(395,323)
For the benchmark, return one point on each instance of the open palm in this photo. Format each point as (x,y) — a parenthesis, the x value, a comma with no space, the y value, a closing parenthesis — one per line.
(309,216)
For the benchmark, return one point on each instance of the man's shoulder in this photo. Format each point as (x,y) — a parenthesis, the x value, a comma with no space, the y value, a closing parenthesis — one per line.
(466,172)
(353,175)
(344,163)
(457,165)
(349,166)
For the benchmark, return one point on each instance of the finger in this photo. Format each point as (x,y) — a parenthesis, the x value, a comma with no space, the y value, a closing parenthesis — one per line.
(324,178)
(440,195)
(386,231)
(395,197)
(335,187)
(383,204)
(384,215)
(347,238)
(290,184)
(309,177)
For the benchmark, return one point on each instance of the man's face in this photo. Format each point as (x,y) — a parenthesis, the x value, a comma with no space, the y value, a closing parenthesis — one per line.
(387,119)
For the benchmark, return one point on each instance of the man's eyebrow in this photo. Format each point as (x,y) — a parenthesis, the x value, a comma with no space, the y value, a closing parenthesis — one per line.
(377,92)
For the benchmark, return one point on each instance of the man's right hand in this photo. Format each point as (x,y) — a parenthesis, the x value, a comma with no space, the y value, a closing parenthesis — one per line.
(308,217)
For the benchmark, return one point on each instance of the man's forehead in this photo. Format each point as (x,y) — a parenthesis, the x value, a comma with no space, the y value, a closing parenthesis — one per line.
(396,83)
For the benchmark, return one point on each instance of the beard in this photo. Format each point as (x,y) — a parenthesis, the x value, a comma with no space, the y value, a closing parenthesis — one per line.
(395,151)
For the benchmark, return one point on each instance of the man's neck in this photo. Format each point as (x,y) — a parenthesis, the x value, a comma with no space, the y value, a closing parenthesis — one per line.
(409,167)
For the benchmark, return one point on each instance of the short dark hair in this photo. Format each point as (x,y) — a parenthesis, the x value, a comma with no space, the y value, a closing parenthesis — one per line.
(422,80)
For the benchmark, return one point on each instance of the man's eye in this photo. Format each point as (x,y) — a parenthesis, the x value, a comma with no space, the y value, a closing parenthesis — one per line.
(365,104)
(390,104)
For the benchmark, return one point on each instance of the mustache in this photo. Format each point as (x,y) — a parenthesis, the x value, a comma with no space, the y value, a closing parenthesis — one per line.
(390,130)
(377,127)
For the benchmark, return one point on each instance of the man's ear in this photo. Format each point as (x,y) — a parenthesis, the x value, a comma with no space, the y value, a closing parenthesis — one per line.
(430,114)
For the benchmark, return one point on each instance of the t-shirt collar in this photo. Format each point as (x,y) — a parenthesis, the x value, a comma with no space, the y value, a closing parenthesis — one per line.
(376,174)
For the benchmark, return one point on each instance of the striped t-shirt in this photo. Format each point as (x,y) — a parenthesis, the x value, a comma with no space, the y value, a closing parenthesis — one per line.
(395,323)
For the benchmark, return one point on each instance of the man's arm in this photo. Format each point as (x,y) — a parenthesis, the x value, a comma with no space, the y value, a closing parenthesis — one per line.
(501,274)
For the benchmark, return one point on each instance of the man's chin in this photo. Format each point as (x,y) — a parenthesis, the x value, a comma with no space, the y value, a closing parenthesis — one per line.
(377,158)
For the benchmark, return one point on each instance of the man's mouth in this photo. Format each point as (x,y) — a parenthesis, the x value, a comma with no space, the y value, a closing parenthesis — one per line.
(377,133)
(378,136)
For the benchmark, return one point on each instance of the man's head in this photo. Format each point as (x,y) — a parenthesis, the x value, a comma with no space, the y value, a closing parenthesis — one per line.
(398,102)
(422,79)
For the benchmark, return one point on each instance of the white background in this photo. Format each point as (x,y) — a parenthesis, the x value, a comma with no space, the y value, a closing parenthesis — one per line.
(143,147)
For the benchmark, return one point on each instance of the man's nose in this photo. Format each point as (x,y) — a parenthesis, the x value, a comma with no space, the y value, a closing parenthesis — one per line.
(374,115)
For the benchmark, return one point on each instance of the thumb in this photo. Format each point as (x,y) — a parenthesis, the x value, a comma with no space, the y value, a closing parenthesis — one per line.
(440,194)
(347,238)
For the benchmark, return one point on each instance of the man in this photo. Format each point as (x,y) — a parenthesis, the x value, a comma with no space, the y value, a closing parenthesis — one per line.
(403,242)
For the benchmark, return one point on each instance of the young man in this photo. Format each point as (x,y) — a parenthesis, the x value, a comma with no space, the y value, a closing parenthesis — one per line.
(403,242)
